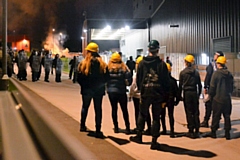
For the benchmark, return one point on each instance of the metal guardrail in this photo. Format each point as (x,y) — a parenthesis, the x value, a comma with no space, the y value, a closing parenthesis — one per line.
(16,141)
(30,133)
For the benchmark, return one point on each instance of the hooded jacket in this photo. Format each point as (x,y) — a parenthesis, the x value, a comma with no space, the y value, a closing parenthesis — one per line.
(221,86)
(153,78)
(189,80)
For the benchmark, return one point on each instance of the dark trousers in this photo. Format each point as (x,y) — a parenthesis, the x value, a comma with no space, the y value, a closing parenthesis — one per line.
(70,73)
(191,105)
(136,102)
(208,110)
(22,74)
(75,74)
(144,111)
(47,72)
(170,107)
(116,98)
(39,73)
(58,77)
(218,110)
(97,102)
(34,76)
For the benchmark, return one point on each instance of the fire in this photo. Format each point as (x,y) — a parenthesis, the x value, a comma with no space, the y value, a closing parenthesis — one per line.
(54,43)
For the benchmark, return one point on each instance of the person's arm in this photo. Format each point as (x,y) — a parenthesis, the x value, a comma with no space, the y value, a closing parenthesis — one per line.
(209,73)
(180,86)
(199,84)
(128,78)
(213,85)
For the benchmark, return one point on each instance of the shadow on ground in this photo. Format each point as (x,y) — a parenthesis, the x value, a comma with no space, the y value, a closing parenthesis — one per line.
(183,151)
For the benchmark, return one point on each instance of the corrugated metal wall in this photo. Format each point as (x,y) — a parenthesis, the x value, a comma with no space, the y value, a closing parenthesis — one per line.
(200,21)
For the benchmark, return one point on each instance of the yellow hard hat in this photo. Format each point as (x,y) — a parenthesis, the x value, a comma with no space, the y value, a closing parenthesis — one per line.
(189,58)
(116,57)
(93,47)
(139,59)
(221,60)
(169,67)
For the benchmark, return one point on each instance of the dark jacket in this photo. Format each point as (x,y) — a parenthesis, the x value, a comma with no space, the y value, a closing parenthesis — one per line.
(209,70)
(118,81)
(174,90)
(189,80)
(221,86)
(92,84)
(153,78)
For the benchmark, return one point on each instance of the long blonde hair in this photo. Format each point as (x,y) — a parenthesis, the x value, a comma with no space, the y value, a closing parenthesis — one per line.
(85,65)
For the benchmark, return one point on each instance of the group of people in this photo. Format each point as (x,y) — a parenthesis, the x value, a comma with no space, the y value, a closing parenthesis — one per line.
(36,60)
(152,85)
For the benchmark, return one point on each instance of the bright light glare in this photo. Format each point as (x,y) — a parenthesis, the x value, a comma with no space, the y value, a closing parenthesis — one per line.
(108,28)
(127,27)
(84,30)
(204,58)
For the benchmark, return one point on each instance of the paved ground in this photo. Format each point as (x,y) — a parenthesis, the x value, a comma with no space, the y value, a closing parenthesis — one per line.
(66,97)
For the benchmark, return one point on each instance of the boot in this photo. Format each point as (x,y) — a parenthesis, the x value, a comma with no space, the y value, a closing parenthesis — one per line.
(154,144)
(137,138)
(164,132)
(227,135)
(190,134)
(83,128)
(204,124)
(127,131)
(116,129)
(197,133)
(213,134)
(99,134)
(172,134)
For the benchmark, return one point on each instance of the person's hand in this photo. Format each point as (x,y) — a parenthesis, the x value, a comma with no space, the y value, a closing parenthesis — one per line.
(164,104)
(205,91)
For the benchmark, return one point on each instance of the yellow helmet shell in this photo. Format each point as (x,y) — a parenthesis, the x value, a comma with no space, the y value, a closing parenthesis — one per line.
(221,60)
(139,59)
(92,47)
(169,67)
(116,57)
(189,58)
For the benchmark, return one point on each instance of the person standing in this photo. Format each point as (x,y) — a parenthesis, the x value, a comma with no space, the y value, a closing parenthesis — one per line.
(47,63)
(72,64)
(92,78)
(190,85)
(168,61)
(131,64)
(21,60)
(135,96)
(212,67)
(154,83)
(57,62)
(75,69)
(35,63)
(119,78)
(173,100)
(221,88)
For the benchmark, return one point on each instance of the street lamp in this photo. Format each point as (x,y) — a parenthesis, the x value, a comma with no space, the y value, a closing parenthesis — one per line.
(53,30)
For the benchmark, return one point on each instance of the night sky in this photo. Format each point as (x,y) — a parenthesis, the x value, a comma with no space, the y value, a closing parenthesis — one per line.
(36,18)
